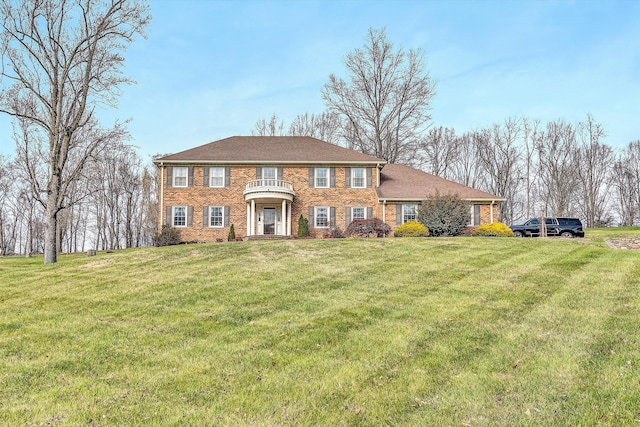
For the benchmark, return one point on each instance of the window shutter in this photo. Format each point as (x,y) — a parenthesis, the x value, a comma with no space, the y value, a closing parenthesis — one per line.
(169,176)
(227,177)
(205,216)
(347,216)
(333,177)
(347,177)
(190,176)
(189,216)
(332,219)
(312,222)
(476,214)
(369,178)
(311,178)
(369,213)
(279,173)
(227,214)
(169,219)
(206,171)
(258,172)
(398,214)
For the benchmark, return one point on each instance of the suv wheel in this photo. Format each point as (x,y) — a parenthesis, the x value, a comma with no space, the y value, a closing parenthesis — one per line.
(567,234)
(518,234)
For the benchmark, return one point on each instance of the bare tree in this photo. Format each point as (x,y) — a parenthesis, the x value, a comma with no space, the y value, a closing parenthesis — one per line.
(467,169)
(557,150)
(273,127)
(439,151)
(593,164)
(323,126)
(385,105)
(62,59)
(625,181)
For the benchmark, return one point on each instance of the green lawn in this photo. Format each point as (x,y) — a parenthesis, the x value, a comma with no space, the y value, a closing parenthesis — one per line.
(433,331)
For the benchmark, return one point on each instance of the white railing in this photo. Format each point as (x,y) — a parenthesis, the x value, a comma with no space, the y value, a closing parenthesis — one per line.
(269,184)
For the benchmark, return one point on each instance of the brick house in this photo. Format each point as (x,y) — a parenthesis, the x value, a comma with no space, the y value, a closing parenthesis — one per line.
(262,185)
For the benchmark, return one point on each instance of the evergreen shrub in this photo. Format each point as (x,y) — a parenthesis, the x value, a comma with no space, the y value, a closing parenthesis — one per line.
(496,229)
(445,214)
(232,234)
(411,229)
(303,227)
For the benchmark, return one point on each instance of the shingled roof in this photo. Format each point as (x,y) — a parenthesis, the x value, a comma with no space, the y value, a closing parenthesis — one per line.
(270,149)
(400,182)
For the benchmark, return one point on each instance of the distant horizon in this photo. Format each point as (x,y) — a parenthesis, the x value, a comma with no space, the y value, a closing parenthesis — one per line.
(211,69)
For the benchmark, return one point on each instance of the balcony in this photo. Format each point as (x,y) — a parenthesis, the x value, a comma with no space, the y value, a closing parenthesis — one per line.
(268,189)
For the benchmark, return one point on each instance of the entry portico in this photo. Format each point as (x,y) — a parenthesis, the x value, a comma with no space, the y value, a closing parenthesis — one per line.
(268,206)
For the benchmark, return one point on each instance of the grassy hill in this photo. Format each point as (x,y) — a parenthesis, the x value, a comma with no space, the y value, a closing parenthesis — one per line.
(463,332)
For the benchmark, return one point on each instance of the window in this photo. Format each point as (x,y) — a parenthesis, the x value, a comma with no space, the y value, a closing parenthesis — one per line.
(179,216)
(358,178)
(321,216)
(358,213)
(322,177)
(216,216)
(180,177)
(216,177)
(409,213)
(269,173)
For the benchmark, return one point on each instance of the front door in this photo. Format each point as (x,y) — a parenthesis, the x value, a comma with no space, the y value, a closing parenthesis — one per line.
(269,222)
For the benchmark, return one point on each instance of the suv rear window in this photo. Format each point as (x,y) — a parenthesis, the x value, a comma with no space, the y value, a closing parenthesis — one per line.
(569,221)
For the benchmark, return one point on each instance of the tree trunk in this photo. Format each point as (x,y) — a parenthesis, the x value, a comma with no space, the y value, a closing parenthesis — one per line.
(51,232)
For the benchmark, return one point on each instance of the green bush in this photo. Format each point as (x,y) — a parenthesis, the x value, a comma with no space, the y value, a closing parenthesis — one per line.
(411,229)
(232,234)
(496,229)
(166,237)
(445,215)
(303,227)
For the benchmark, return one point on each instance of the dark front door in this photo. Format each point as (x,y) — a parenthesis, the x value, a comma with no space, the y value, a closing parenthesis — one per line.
(269,221)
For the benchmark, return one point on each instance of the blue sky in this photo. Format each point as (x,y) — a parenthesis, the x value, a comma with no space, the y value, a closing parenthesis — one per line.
(211,69)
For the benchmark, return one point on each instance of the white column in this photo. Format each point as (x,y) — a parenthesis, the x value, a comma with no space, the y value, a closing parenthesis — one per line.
(253,217)
(248,220)
(289,219)
(284,217)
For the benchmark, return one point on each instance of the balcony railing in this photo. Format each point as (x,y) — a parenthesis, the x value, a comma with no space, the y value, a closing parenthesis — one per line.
(276,188)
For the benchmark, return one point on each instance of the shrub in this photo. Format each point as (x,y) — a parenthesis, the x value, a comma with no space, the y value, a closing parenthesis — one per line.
(303,227)
(411,229)
(368,228)
(166,237)
(444,215)
(232,234)
(496,229)
(334,232)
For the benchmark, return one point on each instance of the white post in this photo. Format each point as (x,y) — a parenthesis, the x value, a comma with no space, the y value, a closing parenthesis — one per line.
(283,217)
(248,220)
(253,217)
(289,220)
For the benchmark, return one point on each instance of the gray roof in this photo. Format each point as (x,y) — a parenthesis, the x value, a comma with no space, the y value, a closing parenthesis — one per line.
(270,149)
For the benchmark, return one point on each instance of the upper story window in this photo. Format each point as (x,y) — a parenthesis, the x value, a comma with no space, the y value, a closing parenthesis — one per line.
(180,176)
(409,213)
(179,216)
(322,177)
(358,178)
(216,177)
(269,173)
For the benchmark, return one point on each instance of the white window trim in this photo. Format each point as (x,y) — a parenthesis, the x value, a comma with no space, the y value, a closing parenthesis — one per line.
(316,177)
(222,217)
(186,176)
(275,172)
(173,216)
(364,211)
(353,178)
(405,213)
(211,177)
(327,209)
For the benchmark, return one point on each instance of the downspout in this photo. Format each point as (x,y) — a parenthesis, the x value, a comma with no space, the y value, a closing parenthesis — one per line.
(161,196)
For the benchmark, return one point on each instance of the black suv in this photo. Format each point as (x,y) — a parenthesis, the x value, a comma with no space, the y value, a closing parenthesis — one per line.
(565,227)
